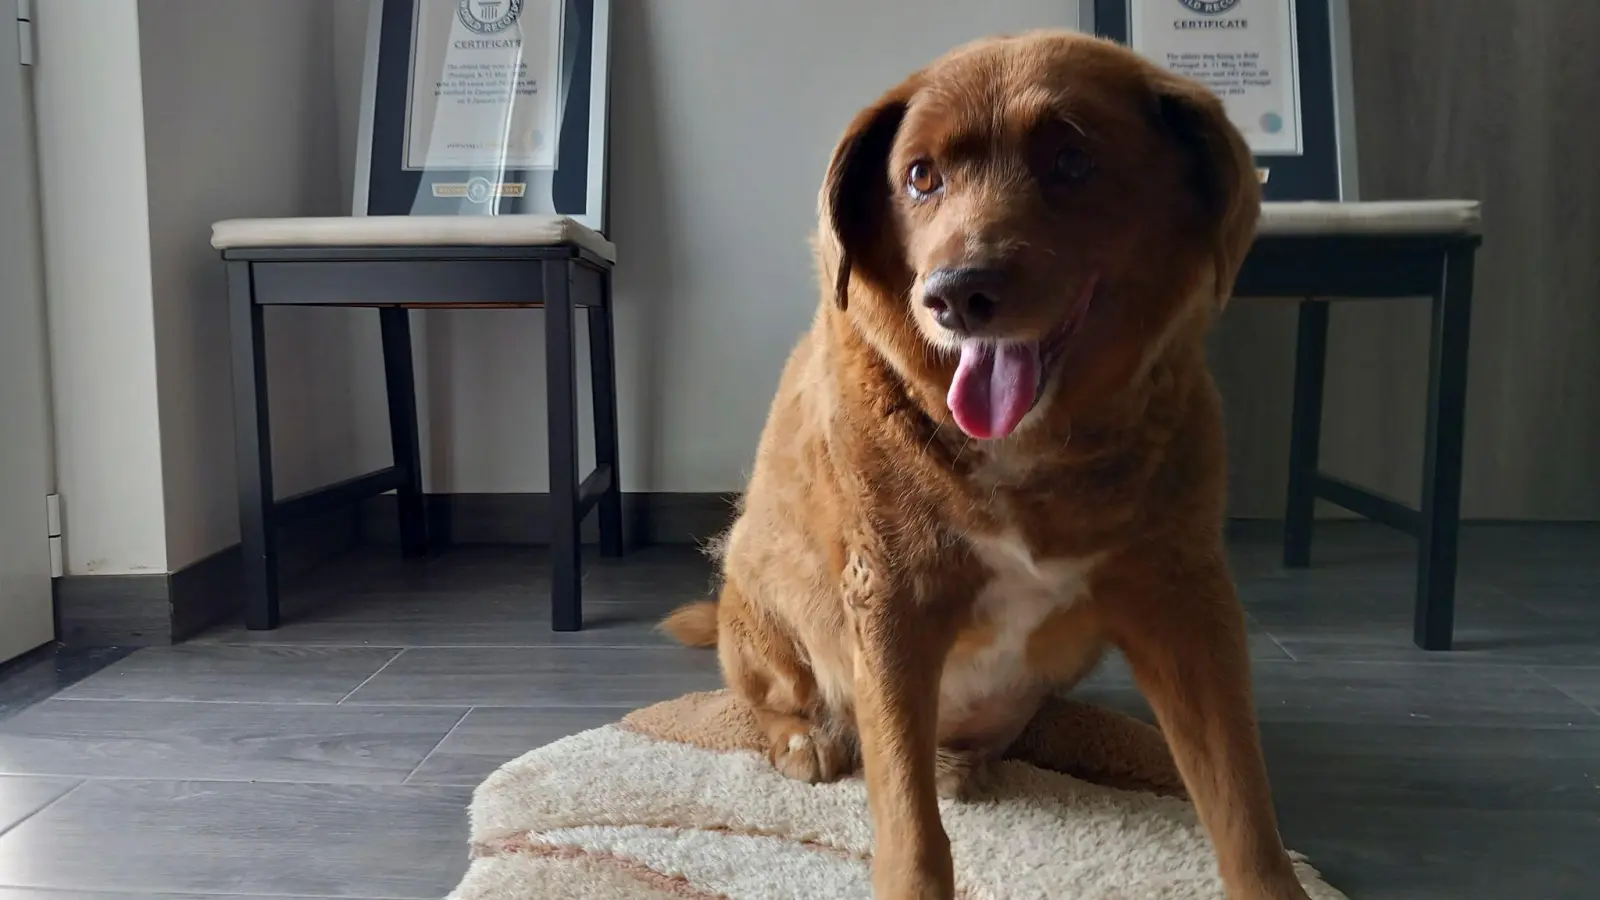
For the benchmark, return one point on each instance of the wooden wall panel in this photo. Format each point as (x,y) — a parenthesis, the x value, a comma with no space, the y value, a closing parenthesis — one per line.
(1491,99)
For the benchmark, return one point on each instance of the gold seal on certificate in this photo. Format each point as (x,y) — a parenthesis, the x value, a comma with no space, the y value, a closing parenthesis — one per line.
(484,84)
(1244,50)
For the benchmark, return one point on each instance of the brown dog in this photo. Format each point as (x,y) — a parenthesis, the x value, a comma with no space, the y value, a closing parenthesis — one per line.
(999,451)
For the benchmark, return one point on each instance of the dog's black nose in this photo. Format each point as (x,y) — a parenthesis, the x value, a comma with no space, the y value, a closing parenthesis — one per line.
(963,299)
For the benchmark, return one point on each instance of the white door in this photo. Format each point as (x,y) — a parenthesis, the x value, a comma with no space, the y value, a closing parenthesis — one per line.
(26,621)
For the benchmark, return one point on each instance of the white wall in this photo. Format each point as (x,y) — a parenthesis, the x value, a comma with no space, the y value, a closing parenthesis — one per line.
(243,105)
(722,123)
(157,117)
(26,466)
(91,129)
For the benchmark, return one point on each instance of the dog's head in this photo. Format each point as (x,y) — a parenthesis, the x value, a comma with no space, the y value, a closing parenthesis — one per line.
(1033,214)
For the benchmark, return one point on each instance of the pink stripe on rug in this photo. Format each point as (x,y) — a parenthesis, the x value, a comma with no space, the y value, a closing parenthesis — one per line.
(675,885)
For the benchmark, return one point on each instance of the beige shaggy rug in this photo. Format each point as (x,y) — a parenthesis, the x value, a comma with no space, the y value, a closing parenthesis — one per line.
(675,801)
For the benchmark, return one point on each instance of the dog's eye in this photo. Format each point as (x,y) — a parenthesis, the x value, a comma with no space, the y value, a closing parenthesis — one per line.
(923,180)
(1071,164)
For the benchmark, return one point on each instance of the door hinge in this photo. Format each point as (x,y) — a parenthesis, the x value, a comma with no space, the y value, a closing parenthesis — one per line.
(25,43)
(52,516)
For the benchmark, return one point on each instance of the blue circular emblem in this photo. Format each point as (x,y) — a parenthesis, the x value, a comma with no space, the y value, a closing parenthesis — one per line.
(1271,123)
(1209,7)
(492,16)
(478,190)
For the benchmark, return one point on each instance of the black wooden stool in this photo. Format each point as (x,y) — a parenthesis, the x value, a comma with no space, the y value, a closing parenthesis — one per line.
(1326,252)
(396,264)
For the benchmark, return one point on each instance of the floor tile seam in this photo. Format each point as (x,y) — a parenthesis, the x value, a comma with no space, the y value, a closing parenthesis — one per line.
(1534,670)
(368,680)
(85,780)
(378,705)
(63,795)
(1455,663)
(278,704)
(435,748)
(655,645)
(1279,644)
(4,885)
(196,701)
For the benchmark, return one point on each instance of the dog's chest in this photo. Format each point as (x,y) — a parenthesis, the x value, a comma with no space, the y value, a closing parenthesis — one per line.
(1020,594)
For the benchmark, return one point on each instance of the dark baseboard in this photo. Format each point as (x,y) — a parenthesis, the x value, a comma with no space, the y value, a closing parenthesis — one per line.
(113,610)
(164,609)
(158,610)
(524,519)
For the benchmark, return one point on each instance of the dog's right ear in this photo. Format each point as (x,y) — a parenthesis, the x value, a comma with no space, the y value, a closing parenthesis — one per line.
(856,192)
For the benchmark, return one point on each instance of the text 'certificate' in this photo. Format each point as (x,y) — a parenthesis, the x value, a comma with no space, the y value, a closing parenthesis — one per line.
(484,84)
(1244,50)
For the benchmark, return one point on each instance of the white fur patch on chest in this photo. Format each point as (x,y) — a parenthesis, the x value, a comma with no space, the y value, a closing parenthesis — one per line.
(1021,593)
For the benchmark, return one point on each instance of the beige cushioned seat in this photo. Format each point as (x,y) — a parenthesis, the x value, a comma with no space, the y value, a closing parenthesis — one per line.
(1406,217)
(411,231)
(1389,217)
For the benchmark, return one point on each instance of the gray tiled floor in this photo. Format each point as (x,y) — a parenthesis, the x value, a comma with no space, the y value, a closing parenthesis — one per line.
(335,756)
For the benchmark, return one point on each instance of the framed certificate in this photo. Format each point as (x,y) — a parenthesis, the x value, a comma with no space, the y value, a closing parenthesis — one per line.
(1281,67)
(485,107)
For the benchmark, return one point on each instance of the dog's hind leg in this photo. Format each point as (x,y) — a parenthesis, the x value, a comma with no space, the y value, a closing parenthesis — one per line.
(763,666)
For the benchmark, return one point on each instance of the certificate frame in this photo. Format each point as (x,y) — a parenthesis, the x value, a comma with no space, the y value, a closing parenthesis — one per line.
(1326,167)
(574,186)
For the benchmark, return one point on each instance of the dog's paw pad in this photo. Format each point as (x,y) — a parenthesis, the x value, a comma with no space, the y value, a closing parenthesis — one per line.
(808,755)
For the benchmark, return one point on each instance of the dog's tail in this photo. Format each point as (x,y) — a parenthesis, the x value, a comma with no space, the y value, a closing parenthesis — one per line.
(693,624)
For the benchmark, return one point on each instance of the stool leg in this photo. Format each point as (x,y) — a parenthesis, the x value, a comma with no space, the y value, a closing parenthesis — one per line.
(252,437)
(1305,432)
(603,383)
(401,384)
(561,389)
(1441,468)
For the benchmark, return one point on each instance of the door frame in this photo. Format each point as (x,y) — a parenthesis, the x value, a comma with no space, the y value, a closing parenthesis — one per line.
(27,476)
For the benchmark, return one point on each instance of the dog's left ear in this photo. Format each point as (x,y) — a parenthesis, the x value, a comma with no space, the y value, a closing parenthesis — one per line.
(1223,171)
(854,205)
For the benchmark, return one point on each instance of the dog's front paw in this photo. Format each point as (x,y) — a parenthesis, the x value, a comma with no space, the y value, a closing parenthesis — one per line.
(1280,892)
(962,776)
(894,880)
(810,754)
(1278,884)
(1283,891)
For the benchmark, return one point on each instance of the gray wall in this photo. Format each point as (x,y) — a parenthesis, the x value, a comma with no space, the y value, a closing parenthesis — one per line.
(1491,99)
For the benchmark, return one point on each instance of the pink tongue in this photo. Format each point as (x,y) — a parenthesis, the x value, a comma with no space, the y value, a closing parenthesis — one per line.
(994,387)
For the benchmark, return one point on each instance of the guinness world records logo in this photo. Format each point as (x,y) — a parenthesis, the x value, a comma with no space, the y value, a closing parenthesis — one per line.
(1208,7)
(495,16)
